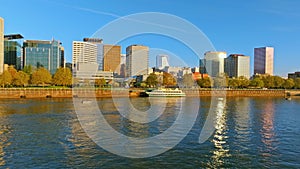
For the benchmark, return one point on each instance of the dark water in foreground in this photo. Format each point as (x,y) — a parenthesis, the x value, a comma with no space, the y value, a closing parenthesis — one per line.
(250,133)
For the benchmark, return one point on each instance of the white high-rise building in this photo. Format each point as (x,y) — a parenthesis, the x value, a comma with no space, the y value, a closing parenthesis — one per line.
(84,52)
(263,60)
(123,59)
(214,63)
(137,60)
(162,61)
(1,45)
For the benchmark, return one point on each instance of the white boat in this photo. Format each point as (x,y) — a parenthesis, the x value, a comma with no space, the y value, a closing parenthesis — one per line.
(86,101)
(166,92)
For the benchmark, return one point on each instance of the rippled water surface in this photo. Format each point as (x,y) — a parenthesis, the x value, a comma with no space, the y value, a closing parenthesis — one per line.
(248,133)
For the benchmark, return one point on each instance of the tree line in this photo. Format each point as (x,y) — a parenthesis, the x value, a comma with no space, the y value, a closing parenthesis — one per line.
(35,77)
(257,81)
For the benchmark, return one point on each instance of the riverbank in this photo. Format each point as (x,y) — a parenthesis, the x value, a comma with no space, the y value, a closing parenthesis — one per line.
(92,92)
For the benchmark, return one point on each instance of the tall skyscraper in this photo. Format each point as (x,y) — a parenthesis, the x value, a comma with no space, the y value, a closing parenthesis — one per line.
(112,58)
(1,45)
(83,52)
(99,43)
(213,63)
(123,65)
(162,61)
(137,60)
(13,50)
(237,65)
(202,68)
(263,60)
(42,53)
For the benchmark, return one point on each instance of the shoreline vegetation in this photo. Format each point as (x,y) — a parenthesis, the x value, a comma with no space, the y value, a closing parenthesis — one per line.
(34,82)
(14,93)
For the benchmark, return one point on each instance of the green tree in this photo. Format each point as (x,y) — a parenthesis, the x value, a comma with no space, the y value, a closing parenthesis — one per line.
(257,82)
(297,83)
(100,82)
(204,82)
(233,83)
(168,79)
(278,82)
(21,79)
(152,80)
(5,78)
(188,80)
(28,69)
(41,77)
(288,83)
(220,81)
(62,77)
(243,82)
(268,81)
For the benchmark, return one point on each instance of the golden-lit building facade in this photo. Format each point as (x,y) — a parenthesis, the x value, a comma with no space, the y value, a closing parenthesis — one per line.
(112,58)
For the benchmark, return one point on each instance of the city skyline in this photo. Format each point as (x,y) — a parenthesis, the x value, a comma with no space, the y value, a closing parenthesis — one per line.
(245,25)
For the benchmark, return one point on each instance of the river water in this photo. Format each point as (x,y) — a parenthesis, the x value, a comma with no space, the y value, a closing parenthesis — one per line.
(248,132)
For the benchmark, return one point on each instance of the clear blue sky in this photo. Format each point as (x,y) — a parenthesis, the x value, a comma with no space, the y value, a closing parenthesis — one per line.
(233,26)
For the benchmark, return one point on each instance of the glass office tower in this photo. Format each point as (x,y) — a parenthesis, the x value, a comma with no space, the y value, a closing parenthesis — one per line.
(12,53)
(47,54)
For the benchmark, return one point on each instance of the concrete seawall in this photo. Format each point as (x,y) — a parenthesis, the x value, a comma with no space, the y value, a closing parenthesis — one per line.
(61,93)
(237,93)
(82,92)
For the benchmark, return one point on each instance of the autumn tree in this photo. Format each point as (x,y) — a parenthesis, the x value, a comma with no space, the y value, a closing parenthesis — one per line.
(5,78)
(12,71)
(152,80)
(204,82)
(41,77)
(168,79)
(100,82)
(62,77)
(21,79)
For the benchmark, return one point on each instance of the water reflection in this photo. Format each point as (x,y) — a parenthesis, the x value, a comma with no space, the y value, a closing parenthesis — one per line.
(5,132)
(267,129)
(250,133)
(221,150)
(241,117)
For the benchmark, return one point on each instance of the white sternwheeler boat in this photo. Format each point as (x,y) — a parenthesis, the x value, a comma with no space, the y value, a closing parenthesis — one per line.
(166,92)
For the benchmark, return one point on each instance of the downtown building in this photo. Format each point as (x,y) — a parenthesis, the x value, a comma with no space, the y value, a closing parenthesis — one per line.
(112,58)
(263,60)
(294,75)
(93,51)
(84,52)
(237,65)
(162,61)
(13,51)
(137,60)
(213,63)
(1,45)
(87,60)
(43,53)
(123,66)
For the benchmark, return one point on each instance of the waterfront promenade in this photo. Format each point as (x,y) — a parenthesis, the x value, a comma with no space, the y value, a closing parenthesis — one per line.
(120,92)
